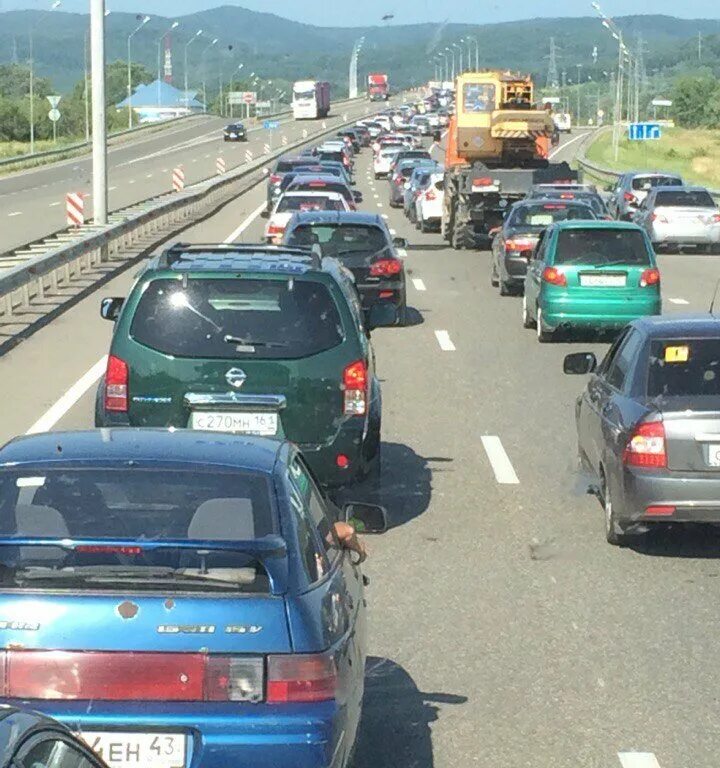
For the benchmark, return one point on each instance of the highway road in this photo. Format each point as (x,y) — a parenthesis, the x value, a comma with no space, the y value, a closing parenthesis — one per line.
(32,203)
(504,630)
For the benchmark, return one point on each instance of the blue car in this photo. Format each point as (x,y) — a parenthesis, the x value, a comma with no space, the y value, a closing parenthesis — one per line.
(180,598)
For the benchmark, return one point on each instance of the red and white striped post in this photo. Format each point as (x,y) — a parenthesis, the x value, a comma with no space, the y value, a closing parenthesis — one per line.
(220,166)
(178,179)
(248,155)
(75,209)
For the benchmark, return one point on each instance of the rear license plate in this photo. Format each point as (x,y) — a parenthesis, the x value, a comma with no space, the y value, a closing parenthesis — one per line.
(603,281)
(713,455)
(138,750)
(235,421)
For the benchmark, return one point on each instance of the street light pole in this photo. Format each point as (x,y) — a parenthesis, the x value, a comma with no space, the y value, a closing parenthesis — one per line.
(99,132)
(174,25)
(144,21)
(187,45)
(579,89)
(204,70)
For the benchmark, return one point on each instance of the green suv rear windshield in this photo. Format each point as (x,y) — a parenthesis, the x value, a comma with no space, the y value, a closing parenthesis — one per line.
(601,247)
(229,319)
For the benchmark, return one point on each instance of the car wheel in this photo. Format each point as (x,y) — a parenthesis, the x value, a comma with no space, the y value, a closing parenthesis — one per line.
(505,289)
(423,226)
(543,334)
(494,279)
(614,533)
(527,321)
(401,315)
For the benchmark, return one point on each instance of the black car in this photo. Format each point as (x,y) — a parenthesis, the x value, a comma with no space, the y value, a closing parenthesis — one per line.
(363,244)
(515,241)
(580,195)
(235,132)
(28,740)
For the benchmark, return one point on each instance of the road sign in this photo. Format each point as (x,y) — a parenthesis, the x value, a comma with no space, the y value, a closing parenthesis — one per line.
(271,125)
(644,131)
(54,115)
(661,103)
(54,101)
(242,97)
(263,105)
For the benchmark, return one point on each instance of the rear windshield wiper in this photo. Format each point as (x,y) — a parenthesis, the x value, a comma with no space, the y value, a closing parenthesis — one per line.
(616,263)
(228,339)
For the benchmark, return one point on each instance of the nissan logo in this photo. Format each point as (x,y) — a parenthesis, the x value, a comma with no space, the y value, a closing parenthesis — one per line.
(235,377)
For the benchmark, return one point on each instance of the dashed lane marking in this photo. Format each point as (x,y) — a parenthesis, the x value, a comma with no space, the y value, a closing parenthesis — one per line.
(379,205)
(678,301)
(444,340)
(500,461)
(15,213)
(419,284)
(52,205)
(392,231)
(638,760)
(111,189)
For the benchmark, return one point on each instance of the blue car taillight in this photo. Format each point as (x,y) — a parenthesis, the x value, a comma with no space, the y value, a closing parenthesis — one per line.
(301,678)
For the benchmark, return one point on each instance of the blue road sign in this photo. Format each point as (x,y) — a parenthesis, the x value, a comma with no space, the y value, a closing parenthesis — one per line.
(271,125)
(644,131)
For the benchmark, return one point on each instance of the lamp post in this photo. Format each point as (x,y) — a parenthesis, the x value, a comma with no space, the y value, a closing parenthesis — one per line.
(174,25)
(143,21)
(459,47)
(86,83)
(187,45)
(451,72)
(31,62)
(204,68)
(477,52)
(99,132)
(578,67)
(230,86)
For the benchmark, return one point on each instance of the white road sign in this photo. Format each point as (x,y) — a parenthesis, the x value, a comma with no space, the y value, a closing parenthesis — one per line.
(54,115)
(54,101)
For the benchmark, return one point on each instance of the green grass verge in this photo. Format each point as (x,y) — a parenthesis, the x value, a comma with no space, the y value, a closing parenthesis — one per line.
(694,154)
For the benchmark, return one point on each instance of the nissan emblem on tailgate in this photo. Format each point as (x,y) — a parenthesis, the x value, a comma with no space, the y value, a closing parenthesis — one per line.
(235,377)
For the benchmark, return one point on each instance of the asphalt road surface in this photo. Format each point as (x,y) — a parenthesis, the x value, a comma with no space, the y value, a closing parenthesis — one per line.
(505,632)
(32,202)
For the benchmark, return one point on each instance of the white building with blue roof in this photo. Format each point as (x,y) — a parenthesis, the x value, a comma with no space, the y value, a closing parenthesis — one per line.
(161,101)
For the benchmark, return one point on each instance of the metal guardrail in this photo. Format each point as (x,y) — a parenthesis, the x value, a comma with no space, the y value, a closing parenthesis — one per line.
(36,276)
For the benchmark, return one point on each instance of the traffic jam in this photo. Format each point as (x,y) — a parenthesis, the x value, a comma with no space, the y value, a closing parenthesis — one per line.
(183,585)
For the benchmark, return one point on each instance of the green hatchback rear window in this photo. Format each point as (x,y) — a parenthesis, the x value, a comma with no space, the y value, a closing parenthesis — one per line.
(602,247)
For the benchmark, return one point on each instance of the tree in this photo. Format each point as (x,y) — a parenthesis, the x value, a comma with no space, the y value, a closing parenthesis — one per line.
(15,82)
(695,101)
(116,80)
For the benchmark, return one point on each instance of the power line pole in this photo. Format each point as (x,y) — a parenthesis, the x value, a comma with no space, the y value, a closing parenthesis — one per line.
(552,75)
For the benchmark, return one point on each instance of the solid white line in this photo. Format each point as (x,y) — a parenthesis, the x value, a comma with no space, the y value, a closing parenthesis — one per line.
(51,417)
(15,213)
(234,236)
(678,301)
(500,461)
(566,144)
(419,284)
(638,760)
(444,341)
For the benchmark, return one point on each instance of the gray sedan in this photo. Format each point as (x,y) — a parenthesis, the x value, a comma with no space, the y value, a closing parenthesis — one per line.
(648,424)
(632,188)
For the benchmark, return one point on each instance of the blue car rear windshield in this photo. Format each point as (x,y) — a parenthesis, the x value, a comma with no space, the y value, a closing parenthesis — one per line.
(602,247)
(136,504)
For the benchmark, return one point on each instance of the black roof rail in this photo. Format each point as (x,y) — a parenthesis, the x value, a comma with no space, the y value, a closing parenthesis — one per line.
(186,252)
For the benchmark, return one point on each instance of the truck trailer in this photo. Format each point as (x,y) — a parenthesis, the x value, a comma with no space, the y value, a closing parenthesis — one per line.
(310,99)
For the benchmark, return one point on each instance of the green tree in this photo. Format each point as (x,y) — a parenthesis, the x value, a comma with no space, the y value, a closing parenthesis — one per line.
(696,101)
(15,82)
(116,80)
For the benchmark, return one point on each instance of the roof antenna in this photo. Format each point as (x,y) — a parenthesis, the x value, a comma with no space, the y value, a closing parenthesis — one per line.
(712,303)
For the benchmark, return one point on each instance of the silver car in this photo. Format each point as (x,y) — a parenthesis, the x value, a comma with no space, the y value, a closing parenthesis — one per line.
(632,188)
(648,424)
(680,216)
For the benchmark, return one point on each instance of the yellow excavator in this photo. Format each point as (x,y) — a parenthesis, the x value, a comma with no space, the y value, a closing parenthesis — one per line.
(498,146)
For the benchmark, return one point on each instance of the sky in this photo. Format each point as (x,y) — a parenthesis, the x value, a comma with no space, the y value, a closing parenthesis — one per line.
(367,12)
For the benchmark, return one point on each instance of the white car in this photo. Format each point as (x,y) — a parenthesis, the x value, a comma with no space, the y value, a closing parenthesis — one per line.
(433,119)
(383,161)
(385,121)
(429,204)
(290,202)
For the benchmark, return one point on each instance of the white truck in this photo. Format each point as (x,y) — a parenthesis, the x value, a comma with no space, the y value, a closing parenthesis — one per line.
(311,99)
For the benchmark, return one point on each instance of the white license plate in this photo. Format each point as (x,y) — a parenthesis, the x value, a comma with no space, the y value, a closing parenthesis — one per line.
(603,281)
(714,455)
(138,750)
(234,421)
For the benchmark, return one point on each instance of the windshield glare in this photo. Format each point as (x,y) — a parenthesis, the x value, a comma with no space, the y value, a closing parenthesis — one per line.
(543,214)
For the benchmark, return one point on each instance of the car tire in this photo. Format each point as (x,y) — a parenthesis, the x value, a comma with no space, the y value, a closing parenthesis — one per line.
(423,226)
(543,335)
(504,288)
(614,532)
(402,315)
(494,279)
(527,321)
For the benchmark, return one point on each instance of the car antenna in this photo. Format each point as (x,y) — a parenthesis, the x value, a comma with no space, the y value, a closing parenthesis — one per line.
(712,303)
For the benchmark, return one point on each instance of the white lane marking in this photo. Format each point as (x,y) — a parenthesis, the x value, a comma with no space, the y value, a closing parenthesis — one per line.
(379,205)
(195,159)
(419,284)
(444,340)
(111,189)
(402,253)
(566,144)
(132,181)
(52,205)
(678,301)
(149,176)
(51,417)
(15,213)
(376,196)
(165,170)
(499,460)
(392,231)
(638,760)
(234,236)
(385,216)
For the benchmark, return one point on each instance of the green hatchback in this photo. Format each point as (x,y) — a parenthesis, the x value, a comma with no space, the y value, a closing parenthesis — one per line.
(594,275)
(249,339)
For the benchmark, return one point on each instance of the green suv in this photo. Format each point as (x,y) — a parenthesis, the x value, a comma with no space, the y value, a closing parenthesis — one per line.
(249,339)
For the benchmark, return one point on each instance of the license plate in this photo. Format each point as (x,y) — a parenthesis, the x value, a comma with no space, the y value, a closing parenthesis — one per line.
(603,281)
(714,455)
(235,421)
(138,750)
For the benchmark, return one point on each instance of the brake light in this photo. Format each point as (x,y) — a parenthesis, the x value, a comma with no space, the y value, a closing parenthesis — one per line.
(299,678)
(567,196)
(275,229)
(116,385)
(317,184)
(629,198)
(386,268)
(130,676)
(650,277)
(399,180)
(355,383)
(646,447)
(275,178)
(658,217)
(715,218)
(484,181)
(554,276)
(430,195)
(660,510)
(520,244)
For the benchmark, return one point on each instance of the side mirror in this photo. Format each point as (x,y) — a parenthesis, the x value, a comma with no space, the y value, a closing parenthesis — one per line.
(579,363)
(380,315)
(366,518)
(110,307)
(357,195)
(492,232)
(400,242)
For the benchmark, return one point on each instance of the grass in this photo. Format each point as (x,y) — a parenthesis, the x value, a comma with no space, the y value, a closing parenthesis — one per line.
(17,149)
(694,154)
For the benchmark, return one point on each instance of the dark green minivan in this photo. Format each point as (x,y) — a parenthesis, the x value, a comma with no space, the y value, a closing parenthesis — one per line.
(250,339)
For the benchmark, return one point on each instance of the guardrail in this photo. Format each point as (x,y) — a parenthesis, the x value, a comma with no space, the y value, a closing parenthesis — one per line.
(36,278)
